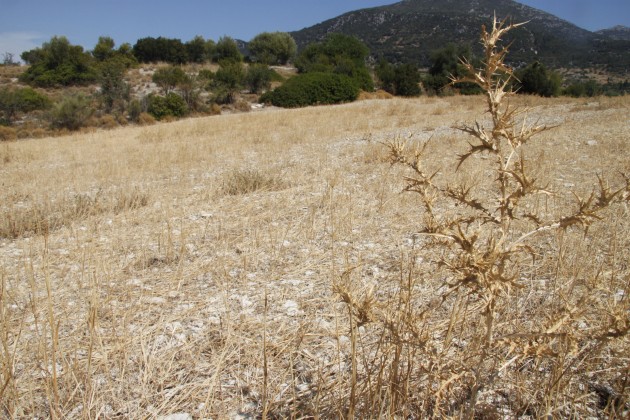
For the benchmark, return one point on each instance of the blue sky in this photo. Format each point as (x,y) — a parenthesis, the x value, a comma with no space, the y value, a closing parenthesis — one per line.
(26,24)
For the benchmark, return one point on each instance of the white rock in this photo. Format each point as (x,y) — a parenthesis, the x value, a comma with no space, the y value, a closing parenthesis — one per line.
(176,416)
(292,307)
(592,142)
(156,300)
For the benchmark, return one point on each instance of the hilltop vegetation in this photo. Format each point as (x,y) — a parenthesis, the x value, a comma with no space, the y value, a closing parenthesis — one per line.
(408,31)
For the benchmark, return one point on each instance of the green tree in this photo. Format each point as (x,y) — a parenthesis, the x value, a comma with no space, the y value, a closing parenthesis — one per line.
(336,49)
(114,91)
(152,50)
(196,50)
(536,79)
(20,100)
(338,53)
(168,78)
(228,80)
(104,52)
(258,78)
(447,63)
(407,81)
(58,63)
(272,48)
(226,49)
(104,48)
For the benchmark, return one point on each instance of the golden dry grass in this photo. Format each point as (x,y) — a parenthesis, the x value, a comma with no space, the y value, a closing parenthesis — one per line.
(134,286)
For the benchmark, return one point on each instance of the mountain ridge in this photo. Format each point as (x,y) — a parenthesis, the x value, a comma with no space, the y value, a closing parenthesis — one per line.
(409,30)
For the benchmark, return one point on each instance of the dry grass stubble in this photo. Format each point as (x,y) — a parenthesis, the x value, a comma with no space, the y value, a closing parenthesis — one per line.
(213,304)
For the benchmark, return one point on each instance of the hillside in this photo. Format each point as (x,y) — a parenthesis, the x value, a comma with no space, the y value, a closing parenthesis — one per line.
(409,30)
(619,32)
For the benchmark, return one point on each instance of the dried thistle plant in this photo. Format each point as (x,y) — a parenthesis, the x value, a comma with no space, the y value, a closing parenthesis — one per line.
(489,241)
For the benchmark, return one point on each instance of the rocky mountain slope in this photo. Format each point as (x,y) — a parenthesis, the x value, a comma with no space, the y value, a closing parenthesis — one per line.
(409,30)
(619,32)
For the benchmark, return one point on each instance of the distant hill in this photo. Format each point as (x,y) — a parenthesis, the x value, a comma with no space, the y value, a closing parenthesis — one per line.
(409,30)
(618,32)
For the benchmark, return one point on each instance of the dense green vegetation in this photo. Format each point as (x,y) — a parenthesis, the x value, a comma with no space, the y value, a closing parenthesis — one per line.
(402,80)
(332,70)
(313,88)
(272,48)
(18,101)
(58,63)
(339,54)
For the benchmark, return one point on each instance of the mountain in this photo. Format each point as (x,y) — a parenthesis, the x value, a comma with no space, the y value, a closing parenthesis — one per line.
(618,32)
(409,30)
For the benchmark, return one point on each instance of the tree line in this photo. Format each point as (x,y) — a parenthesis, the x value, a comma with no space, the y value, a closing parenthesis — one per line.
(333,70)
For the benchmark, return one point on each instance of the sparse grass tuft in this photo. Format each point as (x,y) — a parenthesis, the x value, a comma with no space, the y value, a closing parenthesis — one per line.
(245,181)
(42,217)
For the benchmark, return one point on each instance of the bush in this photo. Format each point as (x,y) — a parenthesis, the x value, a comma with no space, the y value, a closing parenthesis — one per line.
(338,53)
(145,119)
(134,110)
(588,88)
(58,63)
(258,78)
(403,80)
(15,101)
(7,133)
(72,112)
(537,80)
(227,81)
(168,78)
(313,89)
(169,105)
(446,63)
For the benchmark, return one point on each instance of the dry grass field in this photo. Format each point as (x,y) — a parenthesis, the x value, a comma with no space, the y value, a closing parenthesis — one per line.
(268,265)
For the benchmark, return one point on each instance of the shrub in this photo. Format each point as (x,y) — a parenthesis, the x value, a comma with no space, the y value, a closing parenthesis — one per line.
(402,80)
(168,78)
(107,121)
(227,81)
(145,119)
(313,89)
(15,101)
(246,181)
(447,62)
(258,78)
(537,80)
(588,88)
(134,110)
(7,133)
(169,105)
(71,112)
